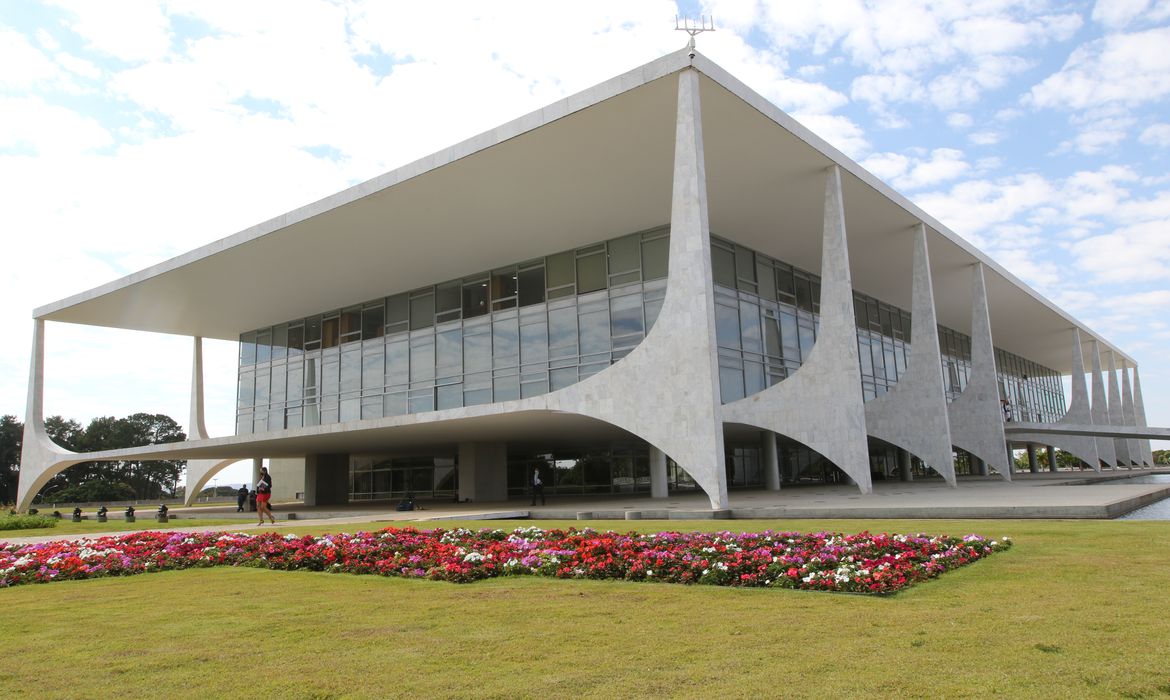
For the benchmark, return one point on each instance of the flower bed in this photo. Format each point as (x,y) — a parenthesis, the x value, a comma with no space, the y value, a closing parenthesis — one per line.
(862,563)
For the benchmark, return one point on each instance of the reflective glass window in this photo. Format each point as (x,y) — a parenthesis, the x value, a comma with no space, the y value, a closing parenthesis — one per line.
(449,396)
(594,328)
(623,254)
(533,342)
(727,326)
(264,346)
(246,389)
(655,256)
(373,368)
(625,315)
(531,286)
(248,348)
(351,325)
(561,272)
(477,349)
(766,277)
(279,341)
(730,384)
(330,337)
(504,287)
(449,300)
(591,273)
(562,332)
(422,358)
(397,313)
(723,266)
(751,332)
(296,339)
(475,298)
(505,342)
(449,352)
(422,310)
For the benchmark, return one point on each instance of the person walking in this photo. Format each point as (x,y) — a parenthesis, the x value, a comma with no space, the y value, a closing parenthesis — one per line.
(241,498)
(263,495)
(537,486)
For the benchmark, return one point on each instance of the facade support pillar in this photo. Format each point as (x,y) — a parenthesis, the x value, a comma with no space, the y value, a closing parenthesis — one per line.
(1052,459)
(1128,414)
(686,424)
(1116,414)
(1106,451)
(1079,412)
(771,460)
(821,404)
(200,471)
(913,414)
(905,467)
(658,475)
(40,458)
(976,416)
(1033,463)
(1139,414)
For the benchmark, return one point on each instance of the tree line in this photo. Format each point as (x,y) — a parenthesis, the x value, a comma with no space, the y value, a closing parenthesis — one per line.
(98,481)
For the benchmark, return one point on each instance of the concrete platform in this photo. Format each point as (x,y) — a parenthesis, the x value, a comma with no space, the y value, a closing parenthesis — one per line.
(1065,495)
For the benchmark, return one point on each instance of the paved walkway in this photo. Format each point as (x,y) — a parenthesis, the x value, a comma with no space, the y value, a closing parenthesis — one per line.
(1046,495)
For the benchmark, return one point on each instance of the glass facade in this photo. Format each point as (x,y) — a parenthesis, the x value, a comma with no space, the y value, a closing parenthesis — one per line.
(766,317)
(510,333)
(541,325)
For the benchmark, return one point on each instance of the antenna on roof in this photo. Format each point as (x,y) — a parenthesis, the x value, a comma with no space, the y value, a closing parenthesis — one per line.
(690,26)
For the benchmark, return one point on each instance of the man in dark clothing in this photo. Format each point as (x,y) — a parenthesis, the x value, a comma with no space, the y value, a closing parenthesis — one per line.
(537,487)
(241,498)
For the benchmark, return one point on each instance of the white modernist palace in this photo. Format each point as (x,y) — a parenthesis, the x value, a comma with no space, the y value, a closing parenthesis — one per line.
(661,283)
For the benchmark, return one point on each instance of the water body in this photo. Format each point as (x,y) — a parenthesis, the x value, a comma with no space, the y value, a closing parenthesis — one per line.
(1154,511)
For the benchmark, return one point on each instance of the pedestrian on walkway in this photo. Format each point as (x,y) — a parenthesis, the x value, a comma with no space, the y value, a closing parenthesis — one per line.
(537,486)
(263,495)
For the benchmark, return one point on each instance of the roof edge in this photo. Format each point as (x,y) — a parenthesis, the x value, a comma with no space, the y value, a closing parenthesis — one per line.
(761,104)
(600,92)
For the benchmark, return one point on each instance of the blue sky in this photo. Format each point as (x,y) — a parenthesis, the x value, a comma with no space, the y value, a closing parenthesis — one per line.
(1039,131)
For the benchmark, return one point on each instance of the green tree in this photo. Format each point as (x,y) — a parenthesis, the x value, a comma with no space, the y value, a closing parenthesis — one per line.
(11,438)
(145,479)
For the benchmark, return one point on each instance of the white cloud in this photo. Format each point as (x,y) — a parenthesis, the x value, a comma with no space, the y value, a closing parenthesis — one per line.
(1156,135)
(1117,14)
(959,120)
(843,133)
(27,122)
(918,171)
(985,138)
(138,31)
(1120,68)
(22,65)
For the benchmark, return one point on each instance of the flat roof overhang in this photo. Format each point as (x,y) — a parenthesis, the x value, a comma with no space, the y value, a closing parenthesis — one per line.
(593,166)
(422,432)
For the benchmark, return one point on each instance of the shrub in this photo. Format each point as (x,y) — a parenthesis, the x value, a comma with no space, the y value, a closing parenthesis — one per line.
(26,522)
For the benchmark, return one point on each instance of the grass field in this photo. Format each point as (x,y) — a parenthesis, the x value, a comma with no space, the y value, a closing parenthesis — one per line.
(1076,609)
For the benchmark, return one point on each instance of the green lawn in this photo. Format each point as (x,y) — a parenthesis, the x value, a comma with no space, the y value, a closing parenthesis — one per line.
(1076,609)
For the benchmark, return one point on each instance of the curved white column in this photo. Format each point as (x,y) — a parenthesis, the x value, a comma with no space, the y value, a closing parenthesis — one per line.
(199,471)
(1079,412)
(40,458)
(1117,415)
(913,414)
(666,391)
(976,416)
(1127,414)
(1106,450)
(821,404)
(1139,415)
